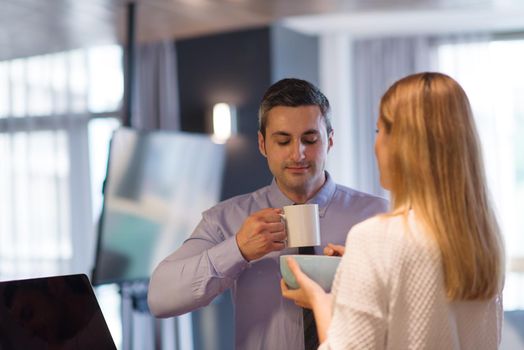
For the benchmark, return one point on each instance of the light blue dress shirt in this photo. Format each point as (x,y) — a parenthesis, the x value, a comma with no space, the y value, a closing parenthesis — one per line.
(210,262)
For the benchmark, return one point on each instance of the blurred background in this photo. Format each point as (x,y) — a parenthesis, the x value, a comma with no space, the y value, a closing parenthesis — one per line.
(72,72)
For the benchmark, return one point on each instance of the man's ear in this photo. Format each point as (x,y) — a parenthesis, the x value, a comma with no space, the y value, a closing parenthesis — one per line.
(330,139)
(261,144)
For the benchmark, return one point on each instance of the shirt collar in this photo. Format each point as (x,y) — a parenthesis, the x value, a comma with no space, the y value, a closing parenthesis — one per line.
(323,197)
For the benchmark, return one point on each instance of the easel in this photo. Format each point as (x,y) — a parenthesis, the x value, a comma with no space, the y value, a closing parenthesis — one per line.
(140,330)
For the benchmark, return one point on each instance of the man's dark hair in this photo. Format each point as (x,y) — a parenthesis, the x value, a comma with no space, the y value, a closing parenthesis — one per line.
(292,92)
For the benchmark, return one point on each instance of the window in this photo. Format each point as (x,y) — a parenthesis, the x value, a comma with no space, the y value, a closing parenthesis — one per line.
(47,104)
(489,72)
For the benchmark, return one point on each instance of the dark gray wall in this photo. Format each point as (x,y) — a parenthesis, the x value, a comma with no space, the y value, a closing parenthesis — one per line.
(235,68)
(293,55)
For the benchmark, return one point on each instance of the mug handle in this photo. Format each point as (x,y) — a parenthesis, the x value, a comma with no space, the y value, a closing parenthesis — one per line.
(283,218)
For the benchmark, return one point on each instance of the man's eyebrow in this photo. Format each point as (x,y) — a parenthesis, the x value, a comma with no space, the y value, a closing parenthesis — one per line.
(286,134)
(280,133)
(311,132)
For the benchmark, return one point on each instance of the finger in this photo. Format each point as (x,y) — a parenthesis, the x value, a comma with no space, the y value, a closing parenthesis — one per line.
(302,305)
(283,286)
(332,246)
(329,251)
(341,250)
(275,227)
(264,228)
(270,214)
(267,212)
(278,245)
(303,280)
(286,292)
(338,250)
(294,267)
(273,217)
(278,236)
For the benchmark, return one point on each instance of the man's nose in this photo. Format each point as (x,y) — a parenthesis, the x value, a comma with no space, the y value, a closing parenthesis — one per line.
(298,152)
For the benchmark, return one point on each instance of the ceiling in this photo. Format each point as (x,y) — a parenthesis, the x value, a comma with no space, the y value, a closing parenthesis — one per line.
(31,27)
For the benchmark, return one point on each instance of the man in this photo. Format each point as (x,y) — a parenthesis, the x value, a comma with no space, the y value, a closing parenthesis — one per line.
(238,242)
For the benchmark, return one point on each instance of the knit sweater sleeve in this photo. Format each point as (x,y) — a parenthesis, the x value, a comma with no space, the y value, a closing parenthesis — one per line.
(359,319)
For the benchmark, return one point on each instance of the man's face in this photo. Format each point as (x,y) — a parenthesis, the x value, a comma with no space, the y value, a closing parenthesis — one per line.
(296,146)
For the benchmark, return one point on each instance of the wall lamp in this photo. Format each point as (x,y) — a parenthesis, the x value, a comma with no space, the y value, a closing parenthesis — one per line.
(224,122)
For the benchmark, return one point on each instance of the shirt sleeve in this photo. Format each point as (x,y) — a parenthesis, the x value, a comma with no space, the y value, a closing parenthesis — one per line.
(201,269)
(359,319)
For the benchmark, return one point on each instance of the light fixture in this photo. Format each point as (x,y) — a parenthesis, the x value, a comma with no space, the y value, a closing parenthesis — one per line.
(224,122)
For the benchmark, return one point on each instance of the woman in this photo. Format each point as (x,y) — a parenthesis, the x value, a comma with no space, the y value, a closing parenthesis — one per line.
(428,274)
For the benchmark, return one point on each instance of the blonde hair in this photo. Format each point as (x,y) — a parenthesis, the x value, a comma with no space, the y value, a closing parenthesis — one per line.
(436,169)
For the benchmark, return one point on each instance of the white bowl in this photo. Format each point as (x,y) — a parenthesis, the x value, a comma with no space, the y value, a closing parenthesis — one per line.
(320,268)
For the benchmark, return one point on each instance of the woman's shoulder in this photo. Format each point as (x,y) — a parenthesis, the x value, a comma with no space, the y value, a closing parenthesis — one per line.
(376,236)
(393,229)
(379,225)
(396,245)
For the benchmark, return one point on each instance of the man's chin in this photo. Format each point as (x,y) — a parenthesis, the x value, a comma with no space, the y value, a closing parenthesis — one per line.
(297,183)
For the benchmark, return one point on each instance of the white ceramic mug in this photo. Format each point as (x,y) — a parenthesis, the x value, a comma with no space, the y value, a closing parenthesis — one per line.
(302,225)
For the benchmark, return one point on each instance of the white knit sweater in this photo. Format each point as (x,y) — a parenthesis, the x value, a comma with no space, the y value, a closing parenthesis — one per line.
(389,294)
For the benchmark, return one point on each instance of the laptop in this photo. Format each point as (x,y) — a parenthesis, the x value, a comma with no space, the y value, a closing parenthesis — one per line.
(50,313)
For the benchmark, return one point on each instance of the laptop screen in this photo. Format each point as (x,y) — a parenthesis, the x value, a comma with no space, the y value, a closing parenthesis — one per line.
(52,313)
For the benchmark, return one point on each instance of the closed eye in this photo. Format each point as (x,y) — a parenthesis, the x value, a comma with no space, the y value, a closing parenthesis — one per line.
(310,137)
(310,141)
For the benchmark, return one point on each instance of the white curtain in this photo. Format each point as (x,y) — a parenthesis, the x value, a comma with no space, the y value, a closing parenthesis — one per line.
(489,71)
(155,98)
(155,107)
(355,85)
(378,63)
(46,225)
